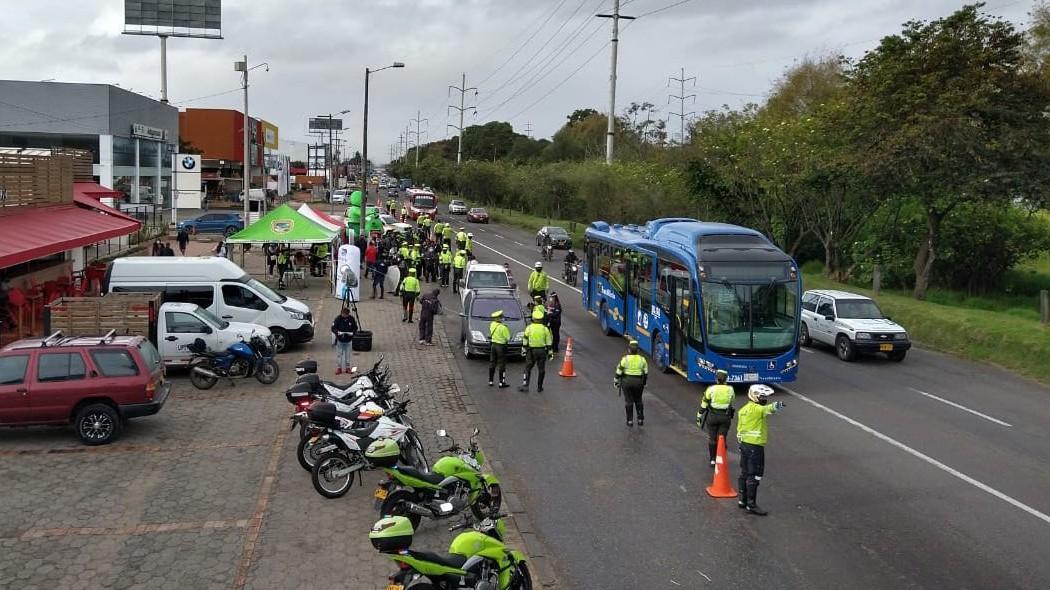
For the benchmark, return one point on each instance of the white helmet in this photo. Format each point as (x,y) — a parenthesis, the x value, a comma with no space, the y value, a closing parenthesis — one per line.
(538,265)
(757,391)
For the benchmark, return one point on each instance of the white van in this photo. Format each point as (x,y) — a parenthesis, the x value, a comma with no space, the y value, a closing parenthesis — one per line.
(217,285)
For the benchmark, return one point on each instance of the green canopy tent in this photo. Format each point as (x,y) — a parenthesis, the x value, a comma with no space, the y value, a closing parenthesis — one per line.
(284,225)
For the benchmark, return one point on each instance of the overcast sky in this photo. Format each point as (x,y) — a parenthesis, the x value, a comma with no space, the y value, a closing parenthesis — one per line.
(521,54)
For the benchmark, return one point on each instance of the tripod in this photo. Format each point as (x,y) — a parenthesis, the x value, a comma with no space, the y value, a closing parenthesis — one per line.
(350,303)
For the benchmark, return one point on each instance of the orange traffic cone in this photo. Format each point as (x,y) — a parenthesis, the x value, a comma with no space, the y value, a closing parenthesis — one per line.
(720,486)
(566,366)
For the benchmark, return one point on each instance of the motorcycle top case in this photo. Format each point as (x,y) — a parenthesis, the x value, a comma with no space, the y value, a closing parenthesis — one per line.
(298,392)
(392,544)
(323,414)
(362,341)
(313,382)
(305,366)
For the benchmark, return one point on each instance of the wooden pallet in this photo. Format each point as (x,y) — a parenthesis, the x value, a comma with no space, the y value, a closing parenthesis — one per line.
(127,313)
(34,181)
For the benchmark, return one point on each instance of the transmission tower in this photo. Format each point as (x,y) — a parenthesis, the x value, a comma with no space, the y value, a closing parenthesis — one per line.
(528,130)
(417,132)
(681,101)
(462,90)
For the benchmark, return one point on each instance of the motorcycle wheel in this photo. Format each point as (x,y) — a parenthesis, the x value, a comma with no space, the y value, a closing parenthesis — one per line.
(268,372)
(488,503)
(200,380)
(396,505)
(325,483)
(521,579)
(307,454)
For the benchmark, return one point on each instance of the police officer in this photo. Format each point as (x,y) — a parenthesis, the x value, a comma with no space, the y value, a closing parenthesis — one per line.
(469,246)
(461,239)
(631,375)
(751,431)
(499,336)
(537,341)
(446,234)
(716,412)
(410,289)
(538,282)
(459,264)
(445,264)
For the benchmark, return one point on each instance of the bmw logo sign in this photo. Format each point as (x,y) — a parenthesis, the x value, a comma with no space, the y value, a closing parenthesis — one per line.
(189,163)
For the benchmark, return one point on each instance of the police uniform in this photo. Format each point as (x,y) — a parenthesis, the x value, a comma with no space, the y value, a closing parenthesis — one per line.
(752,432)
(717,404)
(459,262)
(445,264)
(499,336)
(631,375)
(410,289)
(538,284)
(537,342)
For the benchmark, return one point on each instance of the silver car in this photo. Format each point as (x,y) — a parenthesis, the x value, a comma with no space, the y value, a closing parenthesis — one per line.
(457,207)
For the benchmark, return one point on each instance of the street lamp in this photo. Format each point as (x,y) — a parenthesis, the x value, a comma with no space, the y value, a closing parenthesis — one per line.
(364,144)
(331,157)
(246,181)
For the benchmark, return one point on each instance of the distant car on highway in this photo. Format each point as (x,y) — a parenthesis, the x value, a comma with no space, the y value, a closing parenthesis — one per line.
(852,323)
(559,237)
(477,315)
(226,224)
(457,207)
(478,215)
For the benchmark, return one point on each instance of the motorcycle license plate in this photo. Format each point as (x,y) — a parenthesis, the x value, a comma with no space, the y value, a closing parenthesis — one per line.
(380,494)
(886,347)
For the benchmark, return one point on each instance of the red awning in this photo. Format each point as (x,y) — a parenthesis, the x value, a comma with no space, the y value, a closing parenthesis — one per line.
(87,194)
(49,230)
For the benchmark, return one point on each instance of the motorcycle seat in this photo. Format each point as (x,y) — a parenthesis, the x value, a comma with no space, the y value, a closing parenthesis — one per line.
(360,432)
(446,559)
(427,476)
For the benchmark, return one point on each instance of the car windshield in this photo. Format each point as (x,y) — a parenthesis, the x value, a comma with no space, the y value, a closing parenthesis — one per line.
(483,308)
(266,291)
(477,210)
(557,232)
(743,317)
(483,279)
(456,203)
(858,309)
(211,318)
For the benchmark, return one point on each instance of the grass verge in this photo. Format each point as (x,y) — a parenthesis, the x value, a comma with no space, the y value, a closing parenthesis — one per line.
(533,223)
(1019,344)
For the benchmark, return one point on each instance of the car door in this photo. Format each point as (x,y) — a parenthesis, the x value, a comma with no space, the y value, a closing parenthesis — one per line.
(14,391)
(240,304)
(211,222)
(180,330)
(60,382)
(825,331)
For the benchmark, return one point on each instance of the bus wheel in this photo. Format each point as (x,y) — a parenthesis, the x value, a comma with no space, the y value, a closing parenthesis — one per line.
(661,354)
(603,316)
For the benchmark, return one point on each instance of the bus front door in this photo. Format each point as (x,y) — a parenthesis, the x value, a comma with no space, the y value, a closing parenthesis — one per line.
(679,286)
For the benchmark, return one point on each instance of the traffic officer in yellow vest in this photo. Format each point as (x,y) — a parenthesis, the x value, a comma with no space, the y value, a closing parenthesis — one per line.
(716,412)
(631,375)
(461,239)
(438,229)
(424,222)
(410,289)
(403,251)
(415,255)
(469,246)
(537,341)
(751,431)
(459,263)
(538,282)
(404,214)
(445,264)
(499,336)
(446,234)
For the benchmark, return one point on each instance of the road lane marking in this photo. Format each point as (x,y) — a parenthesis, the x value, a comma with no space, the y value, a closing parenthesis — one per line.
(704,575)
(528,266)
(922,456)
(962,407)
(810,351)
(520,244)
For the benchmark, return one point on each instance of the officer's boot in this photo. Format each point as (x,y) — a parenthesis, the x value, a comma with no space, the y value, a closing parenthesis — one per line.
(492,373)
(712,450)
(752,499)
(629,408)
(539,384)
(503,379)
(524,382)
(741,485)
(641,414)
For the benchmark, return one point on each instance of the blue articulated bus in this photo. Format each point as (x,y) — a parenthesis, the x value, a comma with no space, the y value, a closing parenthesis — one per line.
(697,297)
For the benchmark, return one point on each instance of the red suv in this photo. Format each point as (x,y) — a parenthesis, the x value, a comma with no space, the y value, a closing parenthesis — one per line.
(93,383)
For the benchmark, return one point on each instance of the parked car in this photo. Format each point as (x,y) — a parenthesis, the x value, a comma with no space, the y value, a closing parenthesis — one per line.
(478,307)
(478,215)
(482,276)
(93,383)
(226,224)
(560,238)
(852,323)
(340,196)
(457,207)
(390,223)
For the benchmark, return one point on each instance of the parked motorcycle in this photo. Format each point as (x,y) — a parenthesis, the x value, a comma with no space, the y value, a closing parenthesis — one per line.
(476,559)
(570,272)
(455,484)
(242,359)
(547,251)
(357,414)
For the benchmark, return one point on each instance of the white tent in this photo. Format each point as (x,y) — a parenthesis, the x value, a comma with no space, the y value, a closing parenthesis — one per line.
(322,220)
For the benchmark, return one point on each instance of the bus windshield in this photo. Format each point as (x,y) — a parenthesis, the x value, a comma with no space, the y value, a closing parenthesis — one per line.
(423,201)
(749,318)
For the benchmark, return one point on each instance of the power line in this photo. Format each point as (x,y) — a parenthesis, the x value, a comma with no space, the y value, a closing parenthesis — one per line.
(668,7)
(525,42)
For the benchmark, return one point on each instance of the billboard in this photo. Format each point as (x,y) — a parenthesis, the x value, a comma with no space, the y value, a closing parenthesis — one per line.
(270,135)
(324,124)
(178,18)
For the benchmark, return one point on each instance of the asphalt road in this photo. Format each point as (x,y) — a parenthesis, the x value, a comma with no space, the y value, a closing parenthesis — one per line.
(869,483)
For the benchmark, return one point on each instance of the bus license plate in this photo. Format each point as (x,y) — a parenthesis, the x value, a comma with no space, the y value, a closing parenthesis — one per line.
(750,376)
(886,347)
(380,494)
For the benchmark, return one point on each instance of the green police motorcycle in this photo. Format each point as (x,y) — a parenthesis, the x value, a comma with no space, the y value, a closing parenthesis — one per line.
(476,559)
(455,484)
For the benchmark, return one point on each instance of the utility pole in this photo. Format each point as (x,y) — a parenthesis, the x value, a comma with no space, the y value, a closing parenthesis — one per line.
(610,131)
(681,101)
(462,89)
(417,121)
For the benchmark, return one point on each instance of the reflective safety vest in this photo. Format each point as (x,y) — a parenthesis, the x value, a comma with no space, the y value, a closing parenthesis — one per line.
(461,236)
(460,261)
(718,397)
(539,308)
(751,423)
(469,245)
(538,281)
(414,255)
(499,333)
(446,232)
(438,227)
(404,211)
(633,365)
(411,285)
(322,251)
(445,257)
(427,221)
(537,336)
(403,252)
(282,258)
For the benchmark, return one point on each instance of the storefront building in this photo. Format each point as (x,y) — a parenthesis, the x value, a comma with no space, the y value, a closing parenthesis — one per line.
(218,134)
(131,137)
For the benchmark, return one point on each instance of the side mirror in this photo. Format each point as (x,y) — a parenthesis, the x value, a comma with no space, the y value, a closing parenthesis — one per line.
(442,433)
(830,317)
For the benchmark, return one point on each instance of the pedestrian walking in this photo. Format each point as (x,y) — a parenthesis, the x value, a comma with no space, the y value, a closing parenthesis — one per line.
(716,412)
(752,432)
(538,282)
(183,239)
(553,312)
(284,264)
(379,277)
(409,292)
(157,249)
(631,374)
(445,262)
(446,235)
(429,306)
(220,248)
(459,264)
(270,250)
(499,336)
(343,329)
(537,343)
(371,255)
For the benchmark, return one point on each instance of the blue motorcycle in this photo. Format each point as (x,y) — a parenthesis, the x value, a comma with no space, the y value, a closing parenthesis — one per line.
(241,359)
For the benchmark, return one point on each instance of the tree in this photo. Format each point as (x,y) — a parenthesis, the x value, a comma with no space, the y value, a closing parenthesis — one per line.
(944,113)
(187,147)
(580,115)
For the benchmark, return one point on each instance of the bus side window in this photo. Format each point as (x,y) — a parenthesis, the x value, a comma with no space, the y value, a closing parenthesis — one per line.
(618,272)
(604,260)
(641,280)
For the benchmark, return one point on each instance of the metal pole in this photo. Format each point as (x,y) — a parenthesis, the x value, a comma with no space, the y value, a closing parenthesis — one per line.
(331,168)
(364,158)
(611,127)
(164,68)
(462,95)
(417,136)
(247,180)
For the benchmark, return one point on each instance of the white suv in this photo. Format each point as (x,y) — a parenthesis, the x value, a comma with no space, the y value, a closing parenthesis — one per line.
(852,324)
